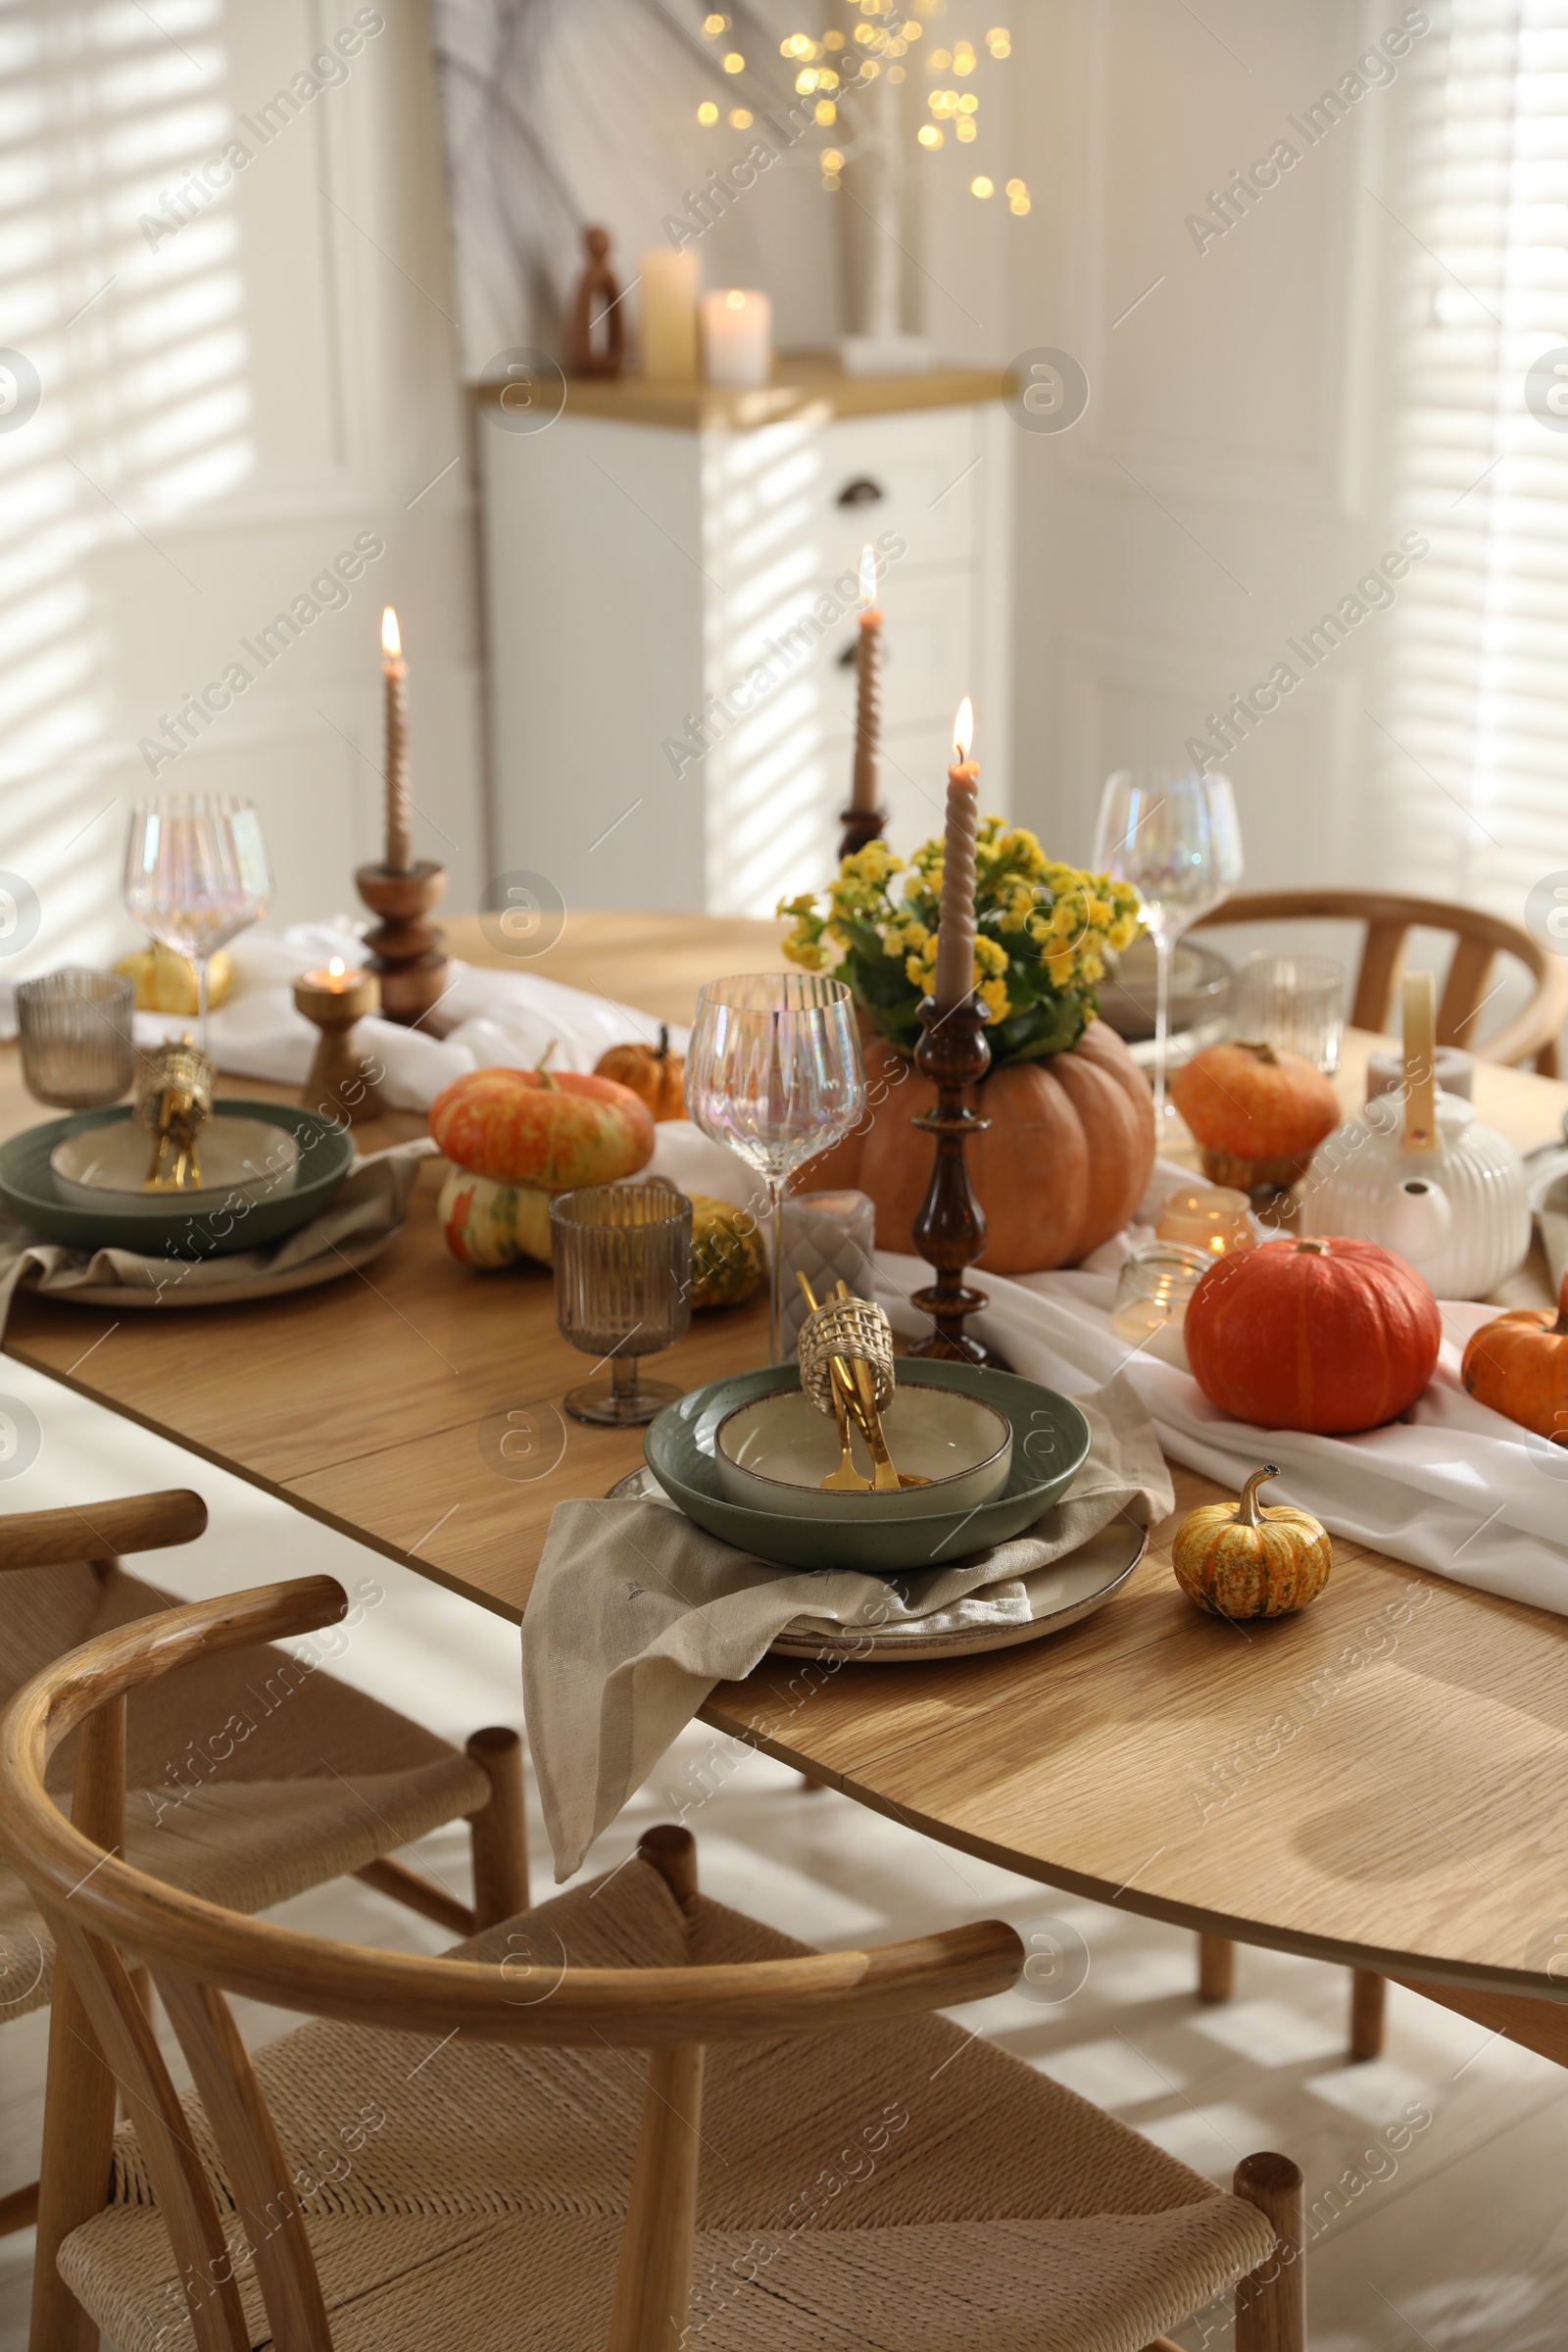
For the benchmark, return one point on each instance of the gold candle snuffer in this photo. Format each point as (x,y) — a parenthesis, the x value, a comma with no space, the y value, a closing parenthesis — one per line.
(846,1352)
(174,1104)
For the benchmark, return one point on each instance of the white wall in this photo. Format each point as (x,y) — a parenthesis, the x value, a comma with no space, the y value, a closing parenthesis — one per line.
(231,409)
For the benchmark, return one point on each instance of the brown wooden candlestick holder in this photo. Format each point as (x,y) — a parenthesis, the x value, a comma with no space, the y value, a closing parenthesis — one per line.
(404,950)
(860,825)
(950,1231)
(341,1082)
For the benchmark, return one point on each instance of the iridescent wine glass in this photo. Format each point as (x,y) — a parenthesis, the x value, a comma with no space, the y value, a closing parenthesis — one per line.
(196,876)
(1174,835)
(773,1070)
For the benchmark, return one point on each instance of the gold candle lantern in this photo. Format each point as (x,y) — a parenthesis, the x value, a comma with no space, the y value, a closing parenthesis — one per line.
(1212,1217)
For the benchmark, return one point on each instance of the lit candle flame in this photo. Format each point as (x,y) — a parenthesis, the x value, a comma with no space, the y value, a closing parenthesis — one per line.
(735,301)
(391,641)
(963,730)
(337,968)
(867,577)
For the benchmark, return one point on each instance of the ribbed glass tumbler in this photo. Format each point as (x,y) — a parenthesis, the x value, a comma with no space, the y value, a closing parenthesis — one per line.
(623,1290)
(74,1027)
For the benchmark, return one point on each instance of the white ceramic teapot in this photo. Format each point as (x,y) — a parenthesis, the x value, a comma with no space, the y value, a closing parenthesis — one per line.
(1420,1174)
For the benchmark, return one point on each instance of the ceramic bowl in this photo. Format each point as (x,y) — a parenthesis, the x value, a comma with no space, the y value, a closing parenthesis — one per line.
(164,1224)
(773,1454)
(251,1159)
(1050,1445)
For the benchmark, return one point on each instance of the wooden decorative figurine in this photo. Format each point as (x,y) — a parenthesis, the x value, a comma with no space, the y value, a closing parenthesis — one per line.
(597,336)
(404,949)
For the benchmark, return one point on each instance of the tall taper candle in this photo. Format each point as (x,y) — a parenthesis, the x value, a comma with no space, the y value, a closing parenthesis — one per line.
(866,781)
(955,978)
(394,672)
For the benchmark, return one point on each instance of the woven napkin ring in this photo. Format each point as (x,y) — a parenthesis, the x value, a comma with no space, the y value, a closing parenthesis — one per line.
(846,1326)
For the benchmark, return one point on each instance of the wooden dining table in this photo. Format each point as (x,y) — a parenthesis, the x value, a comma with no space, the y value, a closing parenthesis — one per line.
(1372,1782)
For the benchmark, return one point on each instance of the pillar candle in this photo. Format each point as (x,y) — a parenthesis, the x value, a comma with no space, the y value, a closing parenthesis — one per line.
(737,336)
(671,281)
(863,789)
(394,675)
(954,976)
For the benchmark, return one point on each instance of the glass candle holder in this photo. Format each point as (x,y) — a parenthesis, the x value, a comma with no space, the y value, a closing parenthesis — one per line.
(76,1032)
(1152,1291)
(1209,1217)
(623,1290)
(828,1237)
(1294,1003)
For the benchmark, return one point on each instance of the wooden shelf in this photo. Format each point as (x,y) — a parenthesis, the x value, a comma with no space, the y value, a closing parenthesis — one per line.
(814,390)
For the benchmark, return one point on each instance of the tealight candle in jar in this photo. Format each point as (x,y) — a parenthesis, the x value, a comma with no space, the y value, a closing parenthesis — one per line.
(1152,1295)
(1210,1217)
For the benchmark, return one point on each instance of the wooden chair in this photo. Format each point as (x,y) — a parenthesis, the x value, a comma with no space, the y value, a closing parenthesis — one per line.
(256,1776)
(1480,938)
(468,2152)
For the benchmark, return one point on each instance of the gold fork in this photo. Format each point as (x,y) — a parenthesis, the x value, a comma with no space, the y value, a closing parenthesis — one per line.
(870,1421)
(846,1479)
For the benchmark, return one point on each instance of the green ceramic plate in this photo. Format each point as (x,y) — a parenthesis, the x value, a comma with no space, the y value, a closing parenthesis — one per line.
(1050,1444)
(156,1225)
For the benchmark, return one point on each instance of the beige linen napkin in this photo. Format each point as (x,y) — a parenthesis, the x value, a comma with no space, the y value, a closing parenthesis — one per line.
(636,1613)
(370,1205)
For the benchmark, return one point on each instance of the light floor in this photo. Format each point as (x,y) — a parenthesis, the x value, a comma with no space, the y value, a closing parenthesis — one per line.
(1452,2236)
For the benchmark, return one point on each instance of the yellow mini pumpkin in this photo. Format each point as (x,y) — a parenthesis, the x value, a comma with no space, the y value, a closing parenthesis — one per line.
(1243,1559)
(165,982)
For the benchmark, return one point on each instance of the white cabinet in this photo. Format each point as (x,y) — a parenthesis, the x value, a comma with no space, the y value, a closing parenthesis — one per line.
(671,623)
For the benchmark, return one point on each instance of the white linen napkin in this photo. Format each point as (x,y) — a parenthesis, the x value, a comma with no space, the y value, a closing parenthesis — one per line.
(636,1613)
(500,1018)
(1452,1487)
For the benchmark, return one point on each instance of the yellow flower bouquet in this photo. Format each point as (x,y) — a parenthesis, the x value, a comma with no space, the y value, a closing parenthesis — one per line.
(1041,933)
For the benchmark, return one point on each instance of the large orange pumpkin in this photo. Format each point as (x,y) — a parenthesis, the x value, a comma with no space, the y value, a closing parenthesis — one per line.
(1258,1115)
(533,1127)
(1331,1336)
(1061,1168)
(1519,1366)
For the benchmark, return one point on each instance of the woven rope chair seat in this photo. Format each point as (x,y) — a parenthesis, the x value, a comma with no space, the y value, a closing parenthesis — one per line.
(250,1778)
(909,2186)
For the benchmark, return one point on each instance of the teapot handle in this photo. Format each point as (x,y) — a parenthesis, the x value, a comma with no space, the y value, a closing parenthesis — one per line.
(1420,1064)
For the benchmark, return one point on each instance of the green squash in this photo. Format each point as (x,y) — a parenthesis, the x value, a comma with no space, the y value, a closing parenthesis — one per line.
(727,1259)
(487,1224)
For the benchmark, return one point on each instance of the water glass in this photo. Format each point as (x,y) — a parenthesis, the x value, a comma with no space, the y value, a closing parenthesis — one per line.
(196,874)
(76,1033)
(1294,1003)
(1174,835)
(623,1290)
(773,1071)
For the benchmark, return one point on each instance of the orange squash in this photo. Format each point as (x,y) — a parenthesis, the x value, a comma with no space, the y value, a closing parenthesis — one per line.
(1246,1559)
(654,1074)
(1258,1115)
(1332,1336)
(1518,1364)
(534,1127)
(1061,1168)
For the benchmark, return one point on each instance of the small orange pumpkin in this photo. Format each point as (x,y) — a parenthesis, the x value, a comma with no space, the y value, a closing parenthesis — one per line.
(1258,1115)
(655,1075)
(531,1127)
(1518,1364)
(1243,1559)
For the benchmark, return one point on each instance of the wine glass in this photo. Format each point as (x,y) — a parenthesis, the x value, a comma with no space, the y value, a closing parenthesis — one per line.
(773,1070)
(195,875)
(1174,835)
